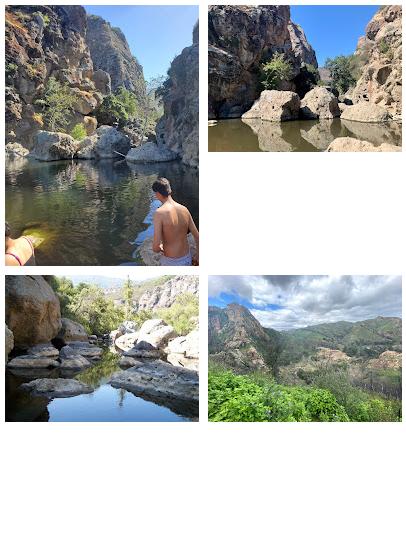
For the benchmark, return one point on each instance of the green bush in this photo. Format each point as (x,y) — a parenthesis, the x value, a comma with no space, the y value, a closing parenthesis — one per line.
(341,72)
(57,102)
(79,132)
(11,69)
(180,314)
(119,108)
(275,71)
(383,46)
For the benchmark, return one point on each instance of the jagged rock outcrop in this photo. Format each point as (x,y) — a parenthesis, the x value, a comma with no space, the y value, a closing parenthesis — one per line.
(32,310)
(240,39)
(44,41)
(380,55)
(111,53)
(178,128)
(163,296)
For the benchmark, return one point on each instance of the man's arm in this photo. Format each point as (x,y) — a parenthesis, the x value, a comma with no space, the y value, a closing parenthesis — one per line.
(11,261)
(195,234)
(157,244)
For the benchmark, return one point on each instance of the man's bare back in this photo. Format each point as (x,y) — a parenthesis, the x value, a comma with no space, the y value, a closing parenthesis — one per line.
(171,226)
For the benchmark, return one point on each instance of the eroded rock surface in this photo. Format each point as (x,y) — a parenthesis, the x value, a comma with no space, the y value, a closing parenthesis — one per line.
(71,331)
(348,144)
(165,295)
(184,351)
(150,152)
(366,112)
(154,334)
(319,103)
(70,358)
(275,106)
(52,146)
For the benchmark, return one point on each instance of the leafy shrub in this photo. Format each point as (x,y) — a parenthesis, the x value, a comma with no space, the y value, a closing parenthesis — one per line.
(383,46)
(276,70)
(180,314)
(79,132)
(11,69)
(57,102)
(341,72)
(119,108)
(141,316)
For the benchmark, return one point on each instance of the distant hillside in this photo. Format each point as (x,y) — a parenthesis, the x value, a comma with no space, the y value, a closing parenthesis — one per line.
(238,340)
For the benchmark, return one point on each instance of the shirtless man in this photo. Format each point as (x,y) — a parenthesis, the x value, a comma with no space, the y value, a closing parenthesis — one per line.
(172,223)
(19,251)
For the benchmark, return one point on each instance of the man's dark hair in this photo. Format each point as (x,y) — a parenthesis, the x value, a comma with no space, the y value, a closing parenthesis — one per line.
(8,230)
(162,186)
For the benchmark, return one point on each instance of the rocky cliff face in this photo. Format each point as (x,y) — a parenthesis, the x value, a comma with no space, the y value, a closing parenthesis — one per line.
(178,129)
(45,41)
(380,55)
(110,52)
(240,39)
(237,340)
(163,296)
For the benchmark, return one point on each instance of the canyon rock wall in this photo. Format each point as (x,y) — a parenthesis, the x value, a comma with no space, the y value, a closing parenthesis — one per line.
(380,54)
(178,129)
(163,296)
(240,39)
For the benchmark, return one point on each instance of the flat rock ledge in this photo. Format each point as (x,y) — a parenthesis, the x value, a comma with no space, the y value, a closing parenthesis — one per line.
(56,388)
(161,380)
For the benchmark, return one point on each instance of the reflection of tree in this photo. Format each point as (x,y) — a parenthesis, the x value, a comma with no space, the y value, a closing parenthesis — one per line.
(101,371)
(122,394)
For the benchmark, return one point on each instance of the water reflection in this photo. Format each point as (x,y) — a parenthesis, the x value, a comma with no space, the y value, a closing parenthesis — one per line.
(87,212)
(254,135)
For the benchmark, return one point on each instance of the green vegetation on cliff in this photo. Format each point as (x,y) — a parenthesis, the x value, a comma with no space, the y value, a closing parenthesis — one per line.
(57,105)
(275,71)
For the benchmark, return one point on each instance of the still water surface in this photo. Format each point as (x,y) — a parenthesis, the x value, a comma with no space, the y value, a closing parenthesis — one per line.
(105,404)
(296,136)
(90,212)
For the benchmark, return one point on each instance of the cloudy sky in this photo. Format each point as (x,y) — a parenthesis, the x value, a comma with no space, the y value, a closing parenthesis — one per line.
(285,302)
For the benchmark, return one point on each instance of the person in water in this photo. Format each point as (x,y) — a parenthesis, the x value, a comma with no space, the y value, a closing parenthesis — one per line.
(19,251)
(172,223)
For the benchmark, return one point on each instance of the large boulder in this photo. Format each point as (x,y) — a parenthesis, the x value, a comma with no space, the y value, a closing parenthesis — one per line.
(71,331)
(275,106)
(154,334)
(71,359)
(126,342)
(127,327)
(349,144)
(32,310)
(85,102)
(87,350)
(184,351)
(366,112)
(110,141)
(159,379)
(56,388)
(51,146)
(319,103)
(45,350)
(9,342)
(150,152)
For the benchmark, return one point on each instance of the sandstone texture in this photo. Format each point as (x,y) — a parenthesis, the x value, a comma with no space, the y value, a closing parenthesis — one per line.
(32,310)
(240,39)
(319,103)
(275,106)
(366,112)
(348,144)
(380,55)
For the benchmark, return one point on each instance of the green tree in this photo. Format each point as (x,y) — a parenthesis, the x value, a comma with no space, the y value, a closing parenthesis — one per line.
(79,132)
(57,103)
(119,108)
(128,294)
(181,314)
(341,71)
(275,71)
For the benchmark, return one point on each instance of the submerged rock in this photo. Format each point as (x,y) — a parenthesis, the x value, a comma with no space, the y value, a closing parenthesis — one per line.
(348,144)
(150,152)
(275,106)
(52,146)
(159,379)
(319,103)
(56,388)
(366,112)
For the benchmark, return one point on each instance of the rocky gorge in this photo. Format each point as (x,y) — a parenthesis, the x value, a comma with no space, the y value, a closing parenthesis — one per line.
(49,356)
(366,118)
(91,59)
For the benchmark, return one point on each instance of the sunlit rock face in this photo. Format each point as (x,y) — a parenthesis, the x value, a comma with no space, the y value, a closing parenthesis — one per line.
(240,39)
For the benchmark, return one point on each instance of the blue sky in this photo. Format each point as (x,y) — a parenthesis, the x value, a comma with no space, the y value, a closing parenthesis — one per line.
(333,30)
(155,34)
